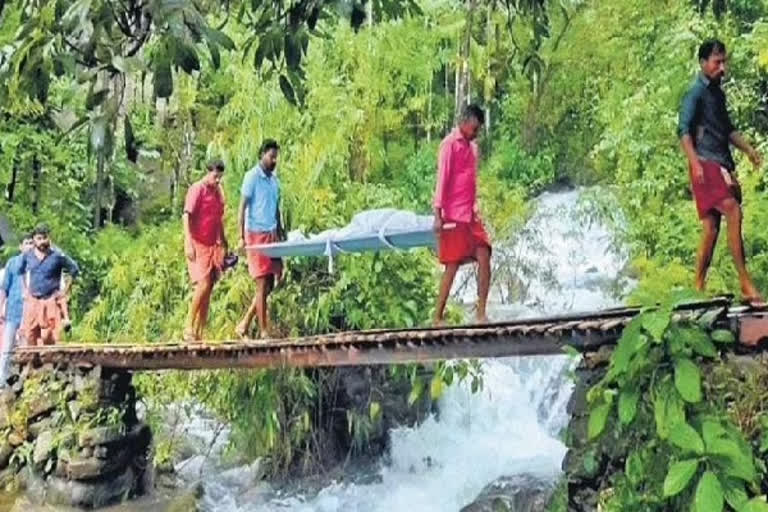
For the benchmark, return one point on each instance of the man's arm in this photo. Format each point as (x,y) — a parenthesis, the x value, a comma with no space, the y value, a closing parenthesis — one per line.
(72,271)
(443,174)
(241,221)
(190,204)
(685,130)
(223,234)
(246,191)
(738,140)
(5,288)
(189,247)
(280,232)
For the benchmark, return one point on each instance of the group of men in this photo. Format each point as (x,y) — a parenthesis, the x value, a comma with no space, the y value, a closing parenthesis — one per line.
(32,298)
(206,247)
(33,295)
(705,131)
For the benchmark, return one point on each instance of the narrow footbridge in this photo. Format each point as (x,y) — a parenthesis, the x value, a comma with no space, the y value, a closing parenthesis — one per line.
(535,336)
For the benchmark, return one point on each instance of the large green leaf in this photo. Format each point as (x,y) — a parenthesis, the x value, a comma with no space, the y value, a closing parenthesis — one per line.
(686,438)
(185,56)
(723,336)
(709,494)
(292,52)
(755,505)
(679,475)
(734,493)
(712,431)
(735,460)
(131,149)
(632,341)
(634,467)
(215,55)
(219,38)
(656,323)
(668,408)
(628,405)
(287,89)
(688,380)
(698,340)
(163,78)
(597,420)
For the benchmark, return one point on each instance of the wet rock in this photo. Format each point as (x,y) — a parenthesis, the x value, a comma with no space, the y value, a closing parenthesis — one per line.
(5,415)
(42,406)
(43,448)
(37,428)
(101,435)
(6,450)
(520,493)
(83,469)
(191,469)
(74,409)
(244,476)
(59,491)
(15,439)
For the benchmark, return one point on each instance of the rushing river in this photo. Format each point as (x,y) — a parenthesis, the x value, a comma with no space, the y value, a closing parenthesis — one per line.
(562,261)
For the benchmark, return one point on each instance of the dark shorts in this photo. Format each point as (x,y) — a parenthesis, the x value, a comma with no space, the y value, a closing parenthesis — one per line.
(714,188)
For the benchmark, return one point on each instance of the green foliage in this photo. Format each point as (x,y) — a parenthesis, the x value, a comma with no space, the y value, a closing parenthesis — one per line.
(708,459)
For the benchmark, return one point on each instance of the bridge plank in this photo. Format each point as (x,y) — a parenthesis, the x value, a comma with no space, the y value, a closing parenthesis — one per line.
(526,337)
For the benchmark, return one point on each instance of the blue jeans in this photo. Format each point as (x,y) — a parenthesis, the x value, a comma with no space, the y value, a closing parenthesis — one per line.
(6,350)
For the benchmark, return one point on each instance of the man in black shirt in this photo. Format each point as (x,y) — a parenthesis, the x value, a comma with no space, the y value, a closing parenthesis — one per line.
(706,133)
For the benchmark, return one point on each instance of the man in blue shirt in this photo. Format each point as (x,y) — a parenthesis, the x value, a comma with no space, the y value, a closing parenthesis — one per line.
(259,223)
(43,312)
(11,307)
(706,135)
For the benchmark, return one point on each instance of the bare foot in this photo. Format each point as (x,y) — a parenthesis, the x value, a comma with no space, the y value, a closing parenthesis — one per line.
(438,322)
(241,332)
(482,320)
(750,296)
(265,335)
(188,336)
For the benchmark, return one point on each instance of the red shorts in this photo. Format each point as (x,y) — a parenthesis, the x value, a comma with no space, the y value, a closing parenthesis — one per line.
(42,319)
(208,260)
(459,244)
(714,187)
(260,265)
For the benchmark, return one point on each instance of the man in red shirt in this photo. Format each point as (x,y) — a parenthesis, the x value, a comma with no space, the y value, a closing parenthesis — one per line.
(458,227)
(205,244)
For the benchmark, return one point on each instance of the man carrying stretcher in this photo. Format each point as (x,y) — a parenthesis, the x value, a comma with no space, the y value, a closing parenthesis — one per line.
(460,233)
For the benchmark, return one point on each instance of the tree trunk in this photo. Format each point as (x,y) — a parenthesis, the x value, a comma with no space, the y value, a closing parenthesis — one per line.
(488,90)
(36,184)
(11,190)
(463,77)
(99,189)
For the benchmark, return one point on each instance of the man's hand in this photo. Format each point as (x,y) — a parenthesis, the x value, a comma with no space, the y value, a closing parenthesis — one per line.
(755,158)
(189,250)
(437,226)
(698,171)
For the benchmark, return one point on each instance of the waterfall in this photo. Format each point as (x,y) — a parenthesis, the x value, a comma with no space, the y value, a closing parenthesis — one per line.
(562,261)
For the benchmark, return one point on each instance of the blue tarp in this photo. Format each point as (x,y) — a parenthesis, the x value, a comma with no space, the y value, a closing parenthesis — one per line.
(373,230)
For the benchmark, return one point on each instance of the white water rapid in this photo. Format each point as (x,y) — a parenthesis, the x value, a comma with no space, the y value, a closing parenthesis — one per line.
(562,261)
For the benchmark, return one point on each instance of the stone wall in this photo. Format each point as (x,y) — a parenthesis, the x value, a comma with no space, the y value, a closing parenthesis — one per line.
(70,436)
(585,464)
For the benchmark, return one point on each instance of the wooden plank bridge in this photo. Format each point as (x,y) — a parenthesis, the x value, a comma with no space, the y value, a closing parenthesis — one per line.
(525,337)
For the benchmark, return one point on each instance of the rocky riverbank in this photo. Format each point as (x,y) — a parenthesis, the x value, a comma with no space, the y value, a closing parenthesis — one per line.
(70,436)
